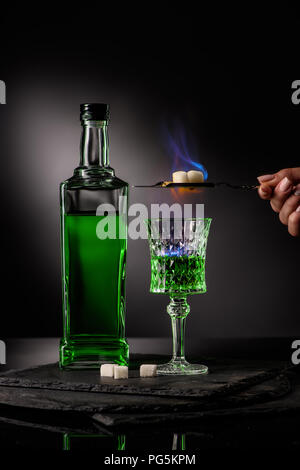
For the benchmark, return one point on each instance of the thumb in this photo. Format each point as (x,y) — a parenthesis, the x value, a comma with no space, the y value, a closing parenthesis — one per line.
(265,191)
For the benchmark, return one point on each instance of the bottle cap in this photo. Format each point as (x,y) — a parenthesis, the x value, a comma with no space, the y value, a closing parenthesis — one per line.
(94,112)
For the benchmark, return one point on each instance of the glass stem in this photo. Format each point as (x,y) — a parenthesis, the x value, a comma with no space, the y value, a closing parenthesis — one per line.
(178,309)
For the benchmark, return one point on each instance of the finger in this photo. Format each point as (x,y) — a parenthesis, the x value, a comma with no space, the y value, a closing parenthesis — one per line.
(293,175)
(268,183)
(272,180)
(281,193)
(289,206)
(265,192)
(265,178)
(294,223)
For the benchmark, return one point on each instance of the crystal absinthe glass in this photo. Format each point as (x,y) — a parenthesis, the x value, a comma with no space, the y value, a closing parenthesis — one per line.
(178,249)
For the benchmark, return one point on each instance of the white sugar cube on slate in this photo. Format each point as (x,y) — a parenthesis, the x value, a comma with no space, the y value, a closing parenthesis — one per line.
(107,370)
(121,372)
(148,370)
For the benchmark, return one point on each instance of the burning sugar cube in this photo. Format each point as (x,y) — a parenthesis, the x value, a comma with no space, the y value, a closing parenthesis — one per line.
(121,372)
(148,370)
(180,177)
(194,176)
(107,370)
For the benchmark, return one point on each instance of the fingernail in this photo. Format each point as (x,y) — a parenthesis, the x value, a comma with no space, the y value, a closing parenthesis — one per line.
(298,209)
(264,178)
(285,185)
(297,190)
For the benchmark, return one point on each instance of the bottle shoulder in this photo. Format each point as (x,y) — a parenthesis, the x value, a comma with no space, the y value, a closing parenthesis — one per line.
(94,182)
(84,195)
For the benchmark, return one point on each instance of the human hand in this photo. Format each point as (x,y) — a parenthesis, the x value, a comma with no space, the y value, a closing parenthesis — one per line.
(282,189)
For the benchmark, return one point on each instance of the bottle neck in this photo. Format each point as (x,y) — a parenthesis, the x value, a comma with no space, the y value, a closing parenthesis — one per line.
(94,155)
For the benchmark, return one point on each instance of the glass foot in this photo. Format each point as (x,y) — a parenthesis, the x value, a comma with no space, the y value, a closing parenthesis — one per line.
(181,368)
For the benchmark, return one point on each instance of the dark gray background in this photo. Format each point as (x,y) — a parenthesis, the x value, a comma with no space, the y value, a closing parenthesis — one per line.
(228,79)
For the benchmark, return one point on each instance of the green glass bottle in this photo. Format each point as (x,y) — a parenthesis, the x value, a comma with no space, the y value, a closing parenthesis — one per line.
(93,243)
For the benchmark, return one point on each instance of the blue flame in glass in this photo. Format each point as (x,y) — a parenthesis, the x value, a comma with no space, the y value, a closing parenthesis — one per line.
(173,253)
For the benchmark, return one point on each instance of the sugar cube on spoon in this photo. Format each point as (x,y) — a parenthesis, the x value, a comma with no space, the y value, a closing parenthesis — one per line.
(195,176)
(180,177)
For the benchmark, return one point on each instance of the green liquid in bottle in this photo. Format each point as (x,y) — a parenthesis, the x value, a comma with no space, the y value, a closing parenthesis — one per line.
(94,283)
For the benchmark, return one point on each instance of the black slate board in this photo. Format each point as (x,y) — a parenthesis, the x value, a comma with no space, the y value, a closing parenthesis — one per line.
(61,400)
(222,381)
(261,398)
(232,388)
(48,387)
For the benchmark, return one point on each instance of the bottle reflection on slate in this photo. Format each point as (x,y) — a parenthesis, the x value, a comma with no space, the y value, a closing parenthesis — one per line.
(76,441)
(93,258)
